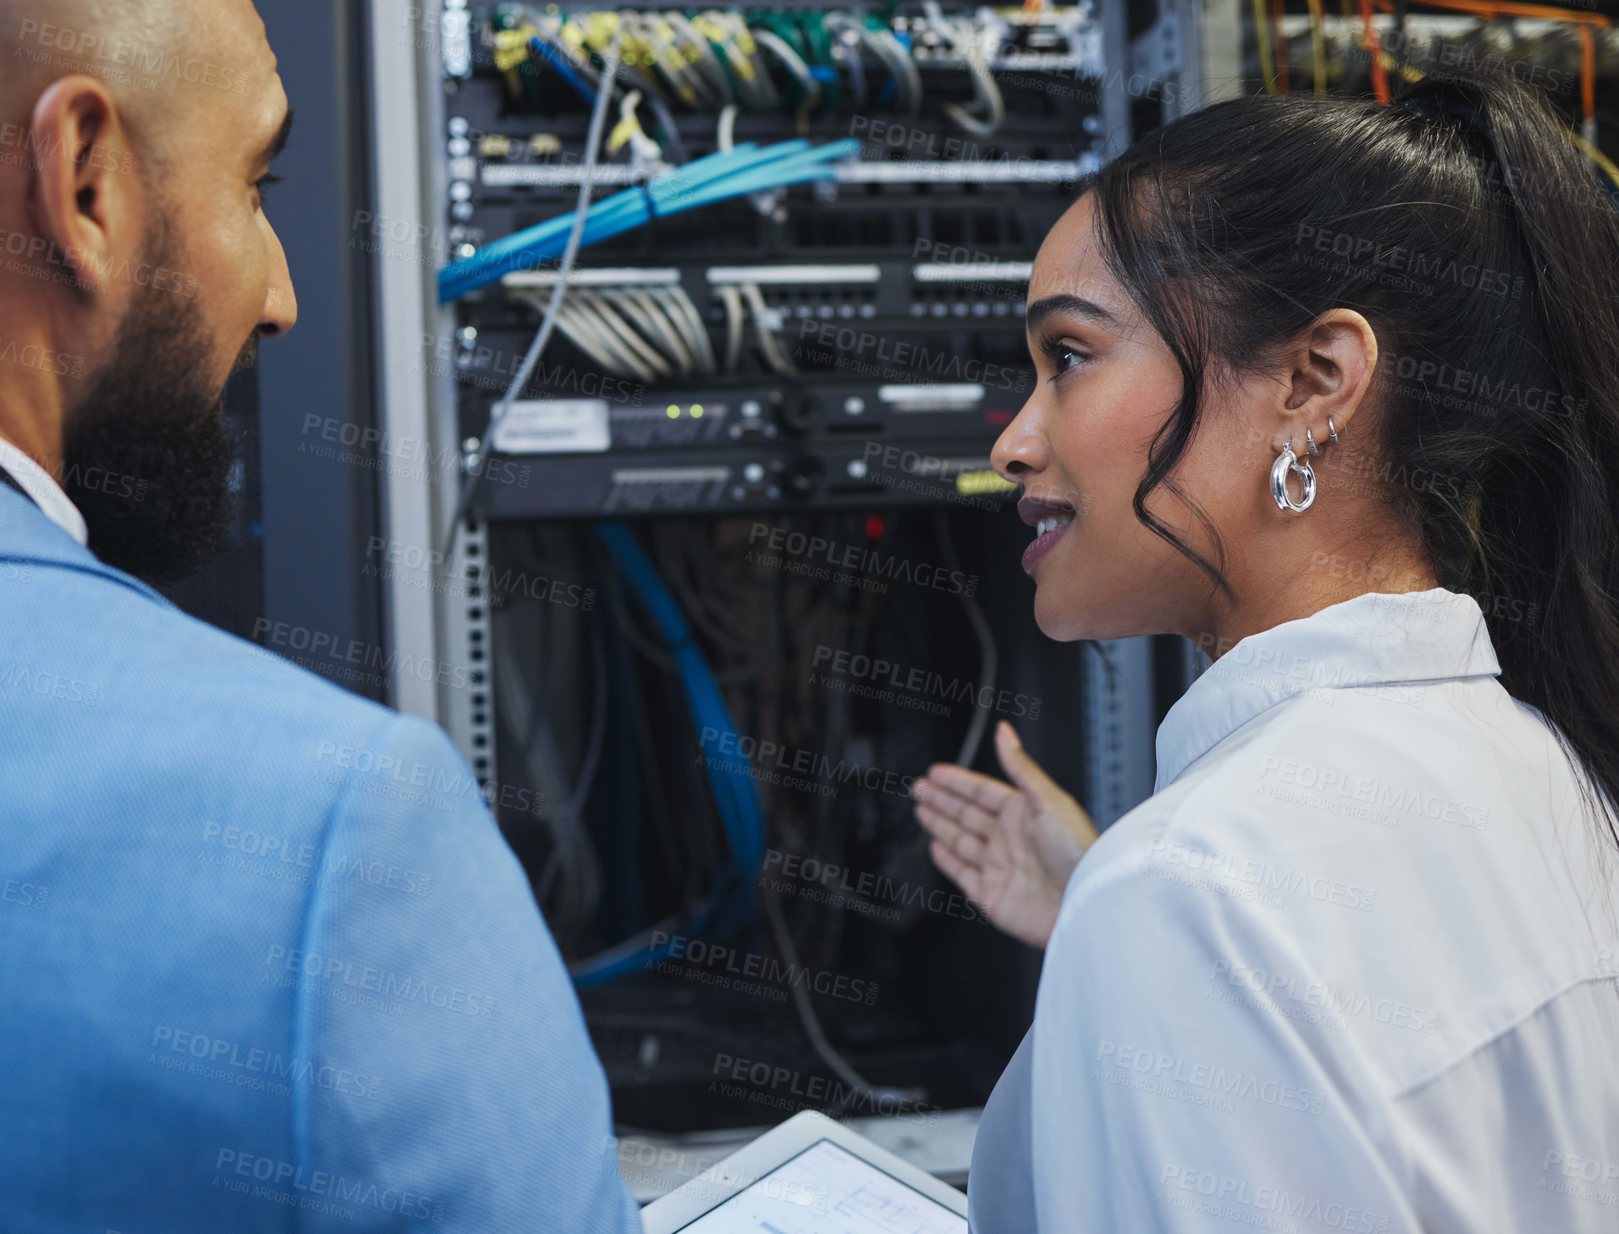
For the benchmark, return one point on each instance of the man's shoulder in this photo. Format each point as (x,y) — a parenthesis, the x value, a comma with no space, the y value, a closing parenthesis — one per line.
(189,701)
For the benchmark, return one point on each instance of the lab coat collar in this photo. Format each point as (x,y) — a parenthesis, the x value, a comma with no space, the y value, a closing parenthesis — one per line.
(1375,639)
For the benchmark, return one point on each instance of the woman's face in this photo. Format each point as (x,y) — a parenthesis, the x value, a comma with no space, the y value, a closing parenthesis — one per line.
(1105,383)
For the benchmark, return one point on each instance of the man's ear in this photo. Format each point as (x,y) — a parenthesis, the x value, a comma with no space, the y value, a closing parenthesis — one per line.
(84,200)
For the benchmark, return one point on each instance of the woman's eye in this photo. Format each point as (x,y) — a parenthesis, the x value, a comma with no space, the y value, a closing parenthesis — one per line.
(1063,356)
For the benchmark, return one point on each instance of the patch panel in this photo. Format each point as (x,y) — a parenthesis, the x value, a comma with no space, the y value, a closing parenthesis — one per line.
(779,330)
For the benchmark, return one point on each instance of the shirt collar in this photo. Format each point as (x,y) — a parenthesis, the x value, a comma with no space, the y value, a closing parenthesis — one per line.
(45,492)
(1374,639)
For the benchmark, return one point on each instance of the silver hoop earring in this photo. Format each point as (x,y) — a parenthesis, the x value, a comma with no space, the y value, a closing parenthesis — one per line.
(1332,432)
(1285,464)
(1310,447)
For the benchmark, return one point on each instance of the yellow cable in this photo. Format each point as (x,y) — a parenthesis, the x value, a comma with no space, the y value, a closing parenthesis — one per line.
(511,47)
(1597,157)
(1267,61)
(1318,46)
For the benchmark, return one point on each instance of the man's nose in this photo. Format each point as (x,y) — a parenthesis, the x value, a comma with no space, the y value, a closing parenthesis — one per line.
(281,301)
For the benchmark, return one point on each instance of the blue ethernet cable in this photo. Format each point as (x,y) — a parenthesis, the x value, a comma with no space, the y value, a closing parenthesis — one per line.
(735,794)
(740,172)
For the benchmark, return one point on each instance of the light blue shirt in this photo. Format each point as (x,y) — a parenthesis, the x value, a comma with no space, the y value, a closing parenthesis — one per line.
(1353,969)
(266,963)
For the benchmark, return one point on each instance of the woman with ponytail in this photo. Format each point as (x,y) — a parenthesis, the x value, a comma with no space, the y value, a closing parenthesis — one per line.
(1330,388)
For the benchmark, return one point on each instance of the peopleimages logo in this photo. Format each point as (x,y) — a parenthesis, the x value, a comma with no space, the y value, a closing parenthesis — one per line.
(304,862)
(253,1062)
(700,954)
(1266,1198)
(847,348)
(323,647)
(1265,875)
(772,1084)
(794,766)
(149,64)
(1335,1000)
(307,1183)
(1208,1076)
(385,982)
(857,890)
(862,561)
(918,681)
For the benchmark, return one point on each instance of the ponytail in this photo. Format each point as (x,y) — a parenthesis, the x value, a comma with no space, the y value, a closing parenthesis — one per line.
(1547,531)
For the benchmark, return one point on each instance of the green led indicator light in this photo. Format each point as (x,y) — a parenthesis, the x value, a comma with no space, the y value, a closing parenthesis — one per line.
(673,413)
(697,411)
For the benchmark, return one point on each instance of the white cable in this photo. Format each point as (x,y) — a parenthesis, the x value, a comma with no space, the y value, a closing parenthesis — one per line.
(585,335)
(987,95)
(775,357)
(681,307)
(849,45)
(734,325)
(711,69)
(794,62)
(570,254)
(633,307)
(633,338)
(908,77)
(989,657)
(812,1022)
(585,332)
(644,364)
(757,74)
(689,85)
(649,317)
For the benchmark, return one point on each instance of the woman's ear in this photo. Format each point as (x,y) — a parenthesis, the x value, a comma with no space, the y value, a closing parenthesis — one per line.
(1330,370)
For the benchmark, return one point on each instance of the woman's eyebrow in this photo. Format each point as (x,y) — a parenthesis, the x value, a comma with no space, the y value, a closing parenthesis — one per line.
(1076,306)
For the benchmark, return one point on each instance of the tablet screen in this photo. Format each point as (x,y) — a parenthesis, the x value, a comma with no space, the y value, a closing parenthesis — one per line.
(828,1190)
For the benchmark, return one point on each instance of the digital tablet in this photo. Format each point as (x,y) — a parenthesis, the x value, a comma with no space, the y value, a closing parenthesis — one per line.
(810,1176)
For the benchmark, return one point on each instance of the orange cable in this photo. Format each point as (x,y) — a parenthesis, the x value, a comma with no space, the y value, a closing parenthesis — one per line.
(1507,8)
(1588,74)
(1374,47)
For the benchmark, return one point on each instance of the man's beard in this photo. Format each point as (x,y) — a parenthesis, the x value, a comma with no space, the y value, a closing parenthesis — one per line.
(147,455)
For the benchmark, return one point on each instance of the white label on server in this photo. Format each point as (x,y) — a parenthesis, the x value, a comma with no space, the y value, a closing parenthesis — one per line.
(555,426)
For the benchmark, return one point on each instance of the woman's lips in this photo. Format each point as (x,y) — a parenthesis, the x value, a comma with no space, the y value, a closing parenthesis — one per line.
(1051,518)
(1042,545)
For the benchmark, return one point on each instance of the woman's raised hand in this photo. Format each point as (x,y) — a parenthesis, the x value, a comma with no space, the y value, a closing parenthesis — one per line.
(1009,847)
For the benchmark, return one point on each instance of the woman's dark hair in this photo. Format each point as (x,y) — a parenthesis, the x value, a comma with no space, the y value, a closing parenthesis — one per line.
(1468,229)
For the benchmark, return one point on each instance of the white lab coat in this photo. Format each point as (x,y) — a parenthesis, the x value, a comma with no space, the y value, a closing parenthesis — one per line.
(1353,967)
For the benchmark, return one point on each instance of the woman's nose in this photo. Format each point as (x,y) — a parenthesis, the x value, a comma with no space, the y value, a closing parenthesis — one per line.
(1021,448)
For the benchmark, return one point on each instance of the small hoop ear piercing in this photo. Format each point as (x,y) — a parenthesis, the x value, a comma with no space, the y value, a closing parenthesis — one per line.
(1284,465)
(1309,444)
(1332,432)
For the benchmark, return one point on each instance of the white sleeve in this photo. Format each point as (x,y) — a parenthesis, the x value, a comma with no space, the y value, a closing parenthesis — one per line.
(1183,1082)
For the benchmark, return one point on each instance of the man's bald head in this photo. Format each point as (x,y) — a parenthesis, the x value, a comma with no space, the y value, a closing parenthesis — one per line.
(110,40)
(163,61)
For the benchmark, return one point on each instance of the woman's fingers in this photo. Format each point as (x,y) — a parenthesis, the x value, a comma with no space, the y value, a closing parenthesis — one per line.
(965,813)
(968,877)
(1023,771)
(946,830)
(984,791)
(973,800)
